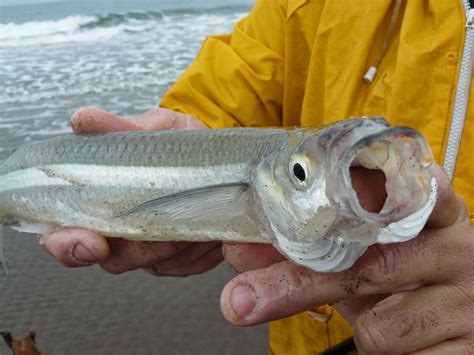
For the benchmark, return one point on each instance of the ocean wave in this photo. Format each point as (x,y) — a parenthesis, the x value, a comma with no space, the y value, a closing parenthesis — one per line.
(52,32)
(110,20)
(95,28)
(12,31)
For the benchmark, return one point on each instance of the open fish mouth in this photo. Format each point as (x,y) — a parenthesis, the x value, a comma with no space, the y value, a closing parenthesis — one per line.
(405,159)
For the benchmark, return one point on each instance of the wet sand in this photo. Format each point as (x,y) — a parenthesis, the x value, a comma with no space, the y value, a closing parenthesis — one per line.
(87,311)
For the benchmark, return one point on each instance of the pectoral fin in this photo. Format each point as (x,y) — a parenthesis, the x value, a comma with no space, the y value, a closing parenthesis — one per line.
(210,201)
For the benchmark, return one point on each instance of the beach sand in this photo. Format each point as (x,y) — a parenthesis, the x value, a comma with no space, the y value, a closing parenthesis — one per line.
(87,311)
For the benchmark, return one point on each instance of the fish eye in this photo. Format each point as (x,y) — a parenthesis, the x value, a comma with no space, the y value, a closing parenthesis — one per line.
(299,172)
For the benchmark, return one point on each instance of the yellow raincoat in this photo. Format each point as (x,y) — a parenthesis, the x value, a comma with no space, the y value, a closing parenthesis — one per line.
(301,62)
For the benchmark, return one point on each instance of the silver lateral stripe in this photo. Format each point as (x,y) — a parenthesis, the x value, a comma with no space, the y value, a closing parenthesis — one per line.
(462,95)
(119,176)
(28,178)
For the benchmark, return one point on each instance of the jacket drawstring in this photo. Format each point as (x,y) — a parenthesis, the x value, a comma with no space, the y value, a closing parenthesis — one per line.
(372,71)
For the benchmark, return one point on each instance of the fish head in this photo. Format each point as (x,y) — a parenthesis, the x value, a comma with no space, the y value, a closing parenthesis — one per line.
(312,208)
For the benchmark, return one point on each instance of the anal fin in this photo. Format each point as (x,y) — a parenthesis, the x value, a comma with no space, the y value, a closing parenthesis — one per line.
(34,228)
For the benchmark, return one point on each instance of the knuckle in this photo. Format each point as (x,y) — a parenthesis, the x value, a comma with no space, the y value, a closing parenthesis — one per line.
(291,282)
(463,215)
(386,259)
(458,249)
(172,118)
(469,244)
(152,270)
(113,268)
(379,266)
(465,345)
(156,250)
(159,271)
(192,122)
(370,337)
(164,250)
(462,296)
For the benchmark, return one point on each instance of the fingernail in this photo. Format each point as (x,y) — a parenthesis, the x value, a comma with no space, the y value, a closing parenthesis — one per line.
(83,255)
(243,300)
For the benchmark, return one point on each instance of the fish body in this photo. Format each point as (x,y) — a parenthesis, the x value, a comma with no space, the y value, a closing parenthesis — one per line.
(290,187)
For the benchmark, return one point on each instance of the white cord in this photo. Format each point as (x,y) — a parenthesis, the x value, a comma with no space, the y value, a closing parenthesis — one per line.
(372,71)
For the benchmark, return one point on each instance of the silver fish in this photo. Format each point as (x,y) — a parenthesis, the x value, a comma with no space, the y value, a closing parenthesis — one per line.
(291,188)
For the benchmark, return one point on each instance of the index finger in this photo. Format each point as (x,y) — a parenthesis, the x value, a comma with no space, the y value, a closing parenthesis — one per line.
(76,247)
(285,289)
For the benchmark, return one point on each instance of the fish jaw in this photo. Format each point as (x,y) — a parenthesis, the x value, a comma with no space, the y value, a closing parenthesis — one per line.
(405,158)
(320,223)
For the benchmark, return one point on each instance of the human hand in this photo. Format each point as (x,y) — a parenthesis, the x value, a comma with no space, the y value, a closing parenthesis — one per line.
(401,298)
(75,248)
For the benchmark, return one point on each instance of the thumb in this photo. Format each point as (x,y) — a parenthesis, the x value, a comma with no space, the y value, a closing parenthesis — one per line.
(449,208)
(95,120)
(159,118)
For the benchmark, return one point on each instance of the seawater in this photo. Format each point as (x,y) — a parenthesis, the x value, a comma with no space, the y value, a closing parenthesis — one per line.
(119,55)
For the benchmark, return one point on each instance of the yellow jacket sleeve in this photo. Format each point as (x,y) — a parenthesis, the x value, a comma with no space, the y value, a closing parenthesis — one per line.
(237,79)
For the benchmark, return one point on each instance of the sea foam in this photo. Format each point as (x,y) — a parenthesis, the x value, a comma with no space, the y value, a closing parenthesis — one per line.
(121,62)
(12,31)
(96,28)
(69,29)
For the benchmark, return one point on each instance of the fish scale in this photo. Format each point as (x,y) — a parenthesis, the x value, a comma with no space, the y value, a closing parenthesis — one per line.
(149,148)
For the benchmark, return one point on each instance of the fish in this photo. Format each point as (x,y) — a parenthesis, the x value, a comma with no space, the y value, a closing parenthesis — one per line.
(287,187)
